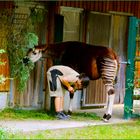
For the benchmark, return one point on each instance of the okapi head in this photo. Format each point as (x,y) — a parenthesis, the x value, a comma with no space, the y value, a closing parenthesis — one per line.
(34,54)
(54,51)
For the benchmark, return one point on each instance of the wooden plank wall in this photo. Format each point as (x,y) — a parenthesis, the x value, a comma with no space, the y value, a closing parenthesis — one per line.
(95,94)
(98,6)
(118,41)
(137,63)
(105,6)
(4,69)
(6,5)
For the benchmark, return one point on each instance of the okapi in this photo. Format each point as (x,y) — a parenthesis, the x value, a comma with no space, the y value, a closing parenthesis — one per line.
(95,61)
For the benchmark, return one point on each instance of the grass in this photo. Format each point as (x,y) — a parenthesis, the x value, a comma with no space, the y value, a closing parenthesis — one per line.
(16,114)
(117,131)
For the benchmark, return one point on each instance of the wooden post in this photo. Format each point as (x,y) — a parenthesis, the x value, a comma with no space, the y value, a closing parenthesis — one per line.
(131,51)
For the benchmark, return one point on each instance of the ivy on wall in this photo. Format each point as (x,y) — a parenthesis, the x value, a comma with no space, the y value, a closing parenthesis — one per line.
(4,24)
(2,77)
(18,45)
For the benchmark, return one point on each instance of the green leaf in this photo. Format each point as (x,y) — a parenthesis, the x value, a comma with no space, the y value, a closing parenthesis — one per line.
(2,51)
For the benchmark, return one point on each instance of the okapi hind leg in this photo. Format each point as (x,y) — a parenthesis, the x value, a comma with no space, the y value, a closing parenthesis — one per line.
(70,103)
(108,68)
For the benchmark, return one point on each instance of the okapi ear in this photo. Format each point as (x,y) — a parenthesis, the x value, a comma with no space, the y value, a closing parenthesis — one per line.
(41,47)
(81,75)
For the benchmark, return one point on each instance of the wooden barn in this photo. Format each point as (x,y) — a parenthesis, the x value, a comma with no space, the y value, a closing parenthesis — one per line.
(95,22)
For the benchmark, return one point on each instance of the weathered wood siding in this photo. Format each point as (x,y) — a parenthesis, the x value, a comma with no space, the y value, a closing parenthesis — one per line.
(5,10)
(98,33)
(4,70)
(96,95)
(105,6)
(118,41)
(137,62)
(6,5)
(32,96)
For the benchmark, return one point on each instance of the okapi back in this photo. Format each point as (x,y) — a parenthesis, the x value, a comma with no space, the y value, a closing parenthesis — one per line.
(81,56)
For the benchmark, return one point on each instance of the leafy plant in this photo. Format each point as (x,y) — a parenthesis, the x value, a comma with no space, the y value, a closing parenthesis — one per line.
(3,133)
(18,45)
(2,77)
(17,114)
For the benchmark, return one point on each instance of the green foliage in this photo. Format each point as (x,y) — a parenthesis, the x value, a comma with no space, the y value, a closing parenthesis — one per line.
(21,41)
(84,116)
(35,15)
(2,77)
(31,39)
(23,75)
(2,51)
(2,63)
(41,115)
(17,51)
(3,133)
(18,114)
(128,109)
(130,84)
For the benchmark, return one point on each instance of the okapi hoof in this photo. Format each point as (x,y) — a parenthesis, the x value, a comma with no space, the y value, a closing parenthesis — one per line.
(106,117)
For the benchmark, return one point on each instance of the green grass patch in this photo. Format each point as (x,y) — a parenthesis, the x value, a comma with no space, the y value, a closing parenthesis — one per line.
(116,131)
(82,116)
(18,114)
(128,130)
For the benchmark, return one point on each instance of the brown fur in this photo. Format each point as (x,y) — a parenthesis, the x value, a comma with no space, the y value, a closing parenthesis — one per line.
(84,58)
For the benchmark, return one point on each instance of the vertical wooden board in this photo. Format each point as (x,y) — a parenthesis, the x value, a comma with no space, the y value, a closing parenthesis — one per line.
(95,93)
(104,6)
(100,6)
(99,32)
(98,29)
(4,70)
(88,5)
(138,15)
(36,85)
(21,99)
(16,94)
(31,91)
(26,94)
(118,43)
